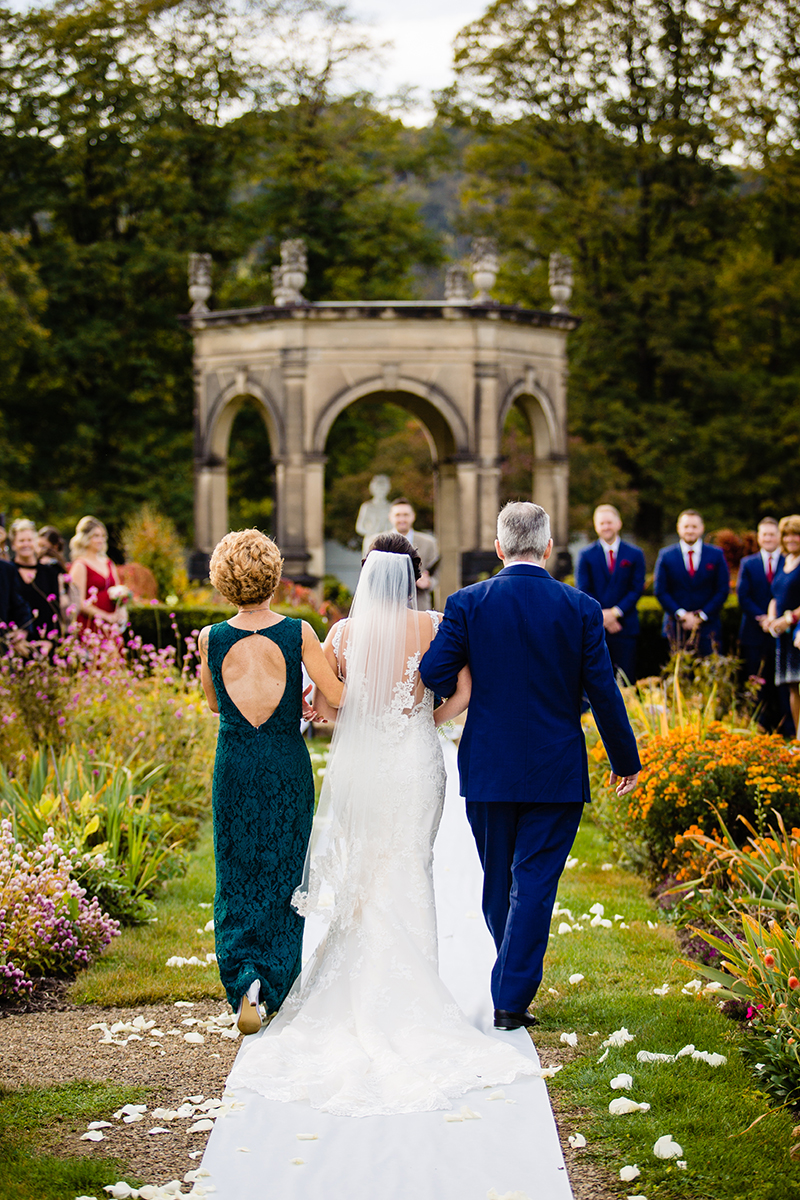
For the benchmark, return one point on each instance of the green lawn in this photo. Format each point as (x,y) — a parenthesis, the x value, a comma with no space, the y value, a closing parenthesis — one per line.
(705,1109)
(30,1115)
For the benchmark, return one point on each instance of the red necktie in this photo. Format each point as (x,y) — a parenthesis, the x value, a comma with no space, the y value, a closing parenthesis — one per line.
(690,553)
(770,569)
(611,561)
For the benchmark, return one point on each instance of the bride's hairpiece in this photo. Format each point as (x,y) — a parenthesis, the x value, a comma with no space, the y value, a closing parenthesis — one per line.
(395,543)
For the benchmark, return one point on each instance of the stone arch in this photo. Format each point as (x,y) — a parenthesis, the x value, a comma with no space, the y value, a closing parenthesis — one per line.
(549,483)
(224,410)
(429,404)
(535,402)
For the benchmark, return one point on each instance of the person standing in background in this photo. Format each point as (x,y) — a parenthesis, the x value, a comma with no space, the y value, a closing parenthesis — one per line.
(401,520)
(612,571)
(692,582)
(757,646)
(784,616)
(39,582)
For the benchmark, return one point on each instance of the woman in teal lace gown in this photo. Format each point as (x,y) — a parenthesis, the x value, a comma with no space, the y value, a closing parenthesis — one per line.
(263,791)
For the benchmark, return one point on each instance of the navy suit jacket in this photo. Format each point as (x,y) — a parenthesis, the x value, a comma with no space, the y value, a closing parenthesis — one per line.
(13,607)
(620,588)
(754,594)
(533,646)
(707,590)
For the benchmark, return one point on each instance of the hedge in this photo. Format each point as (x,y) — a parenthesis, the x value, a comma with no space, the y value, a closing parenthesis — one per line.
(153,624)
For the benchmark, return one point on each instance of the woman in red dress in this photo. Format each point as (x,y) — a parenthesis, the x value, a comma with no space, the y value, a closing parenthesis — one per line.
(93,574)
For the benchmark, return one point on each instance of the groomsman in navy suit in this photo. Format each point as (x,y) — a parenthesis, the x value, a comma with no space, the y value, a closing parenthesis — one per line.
(534,646)
(692,583)
(757,646)
(612,571)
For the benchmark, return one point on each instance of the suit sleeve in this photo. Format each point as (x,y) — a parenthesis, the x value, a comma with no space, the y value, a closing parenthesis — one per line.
(662,585)
(583,575)
(448,652)
(631,598)
(744,590)
(723,587)
(605,698)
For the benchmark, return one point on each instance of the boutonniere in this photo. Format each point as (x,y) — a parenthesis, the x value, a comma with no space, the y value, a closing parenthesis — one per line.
(709,566)
(625,563)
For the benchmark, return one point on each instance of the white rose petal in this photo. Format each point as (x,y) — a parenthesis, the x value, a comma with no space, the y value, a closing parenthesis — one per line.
(713,1060)
(132,1118)
(196,1039)
(623,1105)
(297,1162)
(498,1095)
(129,1110)
(606,866)
(564,928)
(571,863)
(667,1147)
(209,926)
(184,1004)
(201,1126)
(661,991)
(469,1114)
(99,1125)
(242,1149)
(622,1082)
(452,1117)
(545,1073)
(647,1056)
(687,1050)
(628,1174)
(576,978)
(120,1190)
(636,1198)
(694,985)
(158,1129)
(94,1135)
(603,1056)
(569,1039)
(652,924)
(196,1153)
(597,909)
(618,917)
(618,1038)
(577,1141)
(553,992)
(306,1137)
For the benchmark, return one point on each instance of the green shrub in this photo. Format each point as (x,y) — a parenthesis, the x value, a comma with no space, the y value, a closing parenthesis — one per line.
(151,539)
(160,626)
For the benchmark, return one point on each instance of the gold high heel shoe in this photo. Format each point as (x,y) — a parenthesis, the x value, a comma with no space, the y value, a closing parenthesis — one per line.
(248,1018)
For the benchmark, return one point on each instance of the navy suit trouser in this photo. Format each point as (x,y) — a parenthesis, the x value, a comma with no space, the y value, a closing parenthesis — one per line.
(522,848)
(775,715)
(622,650)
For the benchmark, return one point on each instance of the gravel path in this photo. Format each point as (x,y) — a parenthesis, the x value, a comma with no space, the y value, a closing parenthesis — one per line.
(56,1046)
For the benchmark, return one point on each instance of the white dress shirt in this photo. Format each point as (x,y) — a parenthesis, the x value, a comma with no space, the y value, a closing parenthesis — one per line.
(697,554)
(607,549)
(766,555)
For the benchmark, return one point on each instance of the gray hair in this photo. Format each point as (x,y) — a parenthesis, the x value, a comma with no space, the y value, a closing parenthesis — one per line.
(523,530)
(21,525)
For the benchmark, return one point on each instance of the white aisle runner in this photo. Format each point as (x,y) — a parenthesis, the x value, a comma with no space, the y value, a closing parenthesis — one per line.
(513,1147)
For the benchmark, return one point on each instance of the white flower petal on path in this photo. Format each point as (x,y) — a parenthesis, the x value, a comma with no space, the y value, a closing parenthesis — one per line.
(201,1126)
(667,1147)
(628,1174)
(636,1198)
(618,1038)
(196,1153)
(158,1129)
(622,1082)
(597,909)
(545,1073)
(623,1105)
(232,1033)
(306,1137)
(494,1195)
(94,1135)
(498,1095)
(469,1114)
(129,1110)
(184,1004)
(569,1039)
(297,1162)
(603,1056)
(99,1125)
(661,991)
(577,978)
(196,1039)
(577,1141)
(242,1149)
(185,1110)
(119,1190)
(564,928)
(452,1117)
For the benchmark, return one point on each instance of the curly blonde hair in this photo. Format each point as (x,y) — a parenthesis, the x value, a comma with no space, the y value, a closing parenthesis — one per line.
(246,567)
(79,544)
(789,524)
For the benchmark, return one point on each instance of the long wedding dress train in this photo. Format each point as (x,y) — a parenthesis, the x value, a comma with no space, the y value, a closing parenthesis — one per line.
(369,1028)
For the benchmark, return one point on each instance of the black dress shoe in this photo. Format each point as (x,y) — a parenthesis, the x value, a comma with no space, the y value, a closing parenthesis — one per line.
(509,1020)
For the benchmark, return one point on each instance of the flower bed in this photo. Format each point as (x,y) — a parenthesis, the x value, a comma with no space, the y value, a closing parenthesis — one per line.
(47,925)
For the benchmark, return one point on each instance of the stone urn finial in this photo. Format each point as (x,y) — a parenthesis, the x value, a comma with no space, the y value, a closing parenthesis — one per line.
(292,270)
(456,285)
(280,294)
(484,267)
(561,280)
(199,282)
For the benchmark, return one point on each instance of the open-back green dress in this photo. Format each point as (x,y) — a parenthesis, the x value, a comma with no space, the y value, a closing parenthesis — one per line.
(263,804)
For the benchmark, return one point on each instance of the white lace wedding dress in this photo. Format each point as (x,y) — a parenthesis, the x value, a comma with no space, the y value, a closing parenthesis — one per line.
(369,1028)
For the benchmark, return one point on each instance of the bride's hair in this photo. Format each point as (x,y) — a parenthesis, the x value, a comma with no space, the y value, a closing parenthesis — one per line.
(395,543)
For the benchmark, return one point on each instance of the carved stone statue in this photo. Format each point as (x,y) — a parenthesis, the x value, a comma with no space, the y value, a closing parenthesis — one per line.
(456,285)
(484,267)
(199,282)
(289,278)
(561,280)
(373,516)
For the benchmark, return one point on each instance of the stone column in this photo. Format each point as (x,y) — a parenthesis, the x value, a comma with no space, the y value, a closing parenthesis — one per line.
(315,513)
(486,400)
(448,531)
(551,490)
(210,504)
(292,509)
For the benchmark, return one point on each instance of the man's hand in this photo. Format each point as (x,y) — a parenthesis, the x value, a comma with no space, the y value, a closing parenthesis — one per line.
(424,581)
(691,621)
(624,783)
(611,622)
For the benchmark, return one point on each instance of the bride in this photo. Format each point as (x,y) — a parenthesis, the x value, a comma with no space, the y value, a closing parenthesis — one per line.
(369,1028)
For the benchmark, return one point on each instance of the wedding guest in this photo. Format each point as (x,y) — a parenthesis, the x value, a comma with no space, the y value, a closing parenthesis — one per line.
(39,582)
(94,574)
(756,644)
(784,614)
(612,571)
(692,582)
(15,615)
(401,520)
(51,547)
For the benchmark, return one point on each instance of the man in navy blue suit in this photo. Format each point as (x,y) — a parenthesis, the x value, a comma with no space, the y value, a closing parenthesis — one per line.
(533,646)
(612,571)
(692,582)
(756,645)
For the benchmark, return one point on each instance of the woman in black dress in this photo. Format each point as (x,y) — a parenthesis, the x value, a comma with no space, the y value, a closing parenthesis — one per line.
(39,582)
(784,615)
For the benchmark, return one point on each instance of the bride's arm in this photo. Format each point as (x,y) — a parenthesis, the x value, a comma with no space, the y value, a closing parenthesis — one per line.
(328,688)
(454,705)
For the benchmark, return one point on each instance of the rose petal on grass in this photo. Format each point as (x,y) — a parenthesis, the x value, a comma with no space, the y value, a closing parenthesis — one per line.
(649,1056)
(693,986)
(661,991)
(94,1135)
(713,1060)
(577,1141)
(597,909)
(577,978)
(545,1073)
(619,1037)
(603,1056)
(622,1081)
(623,1105)
(564,928)
(119,1190)
(606,866)
(667,1147)
(569,1039)
(628,1174)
